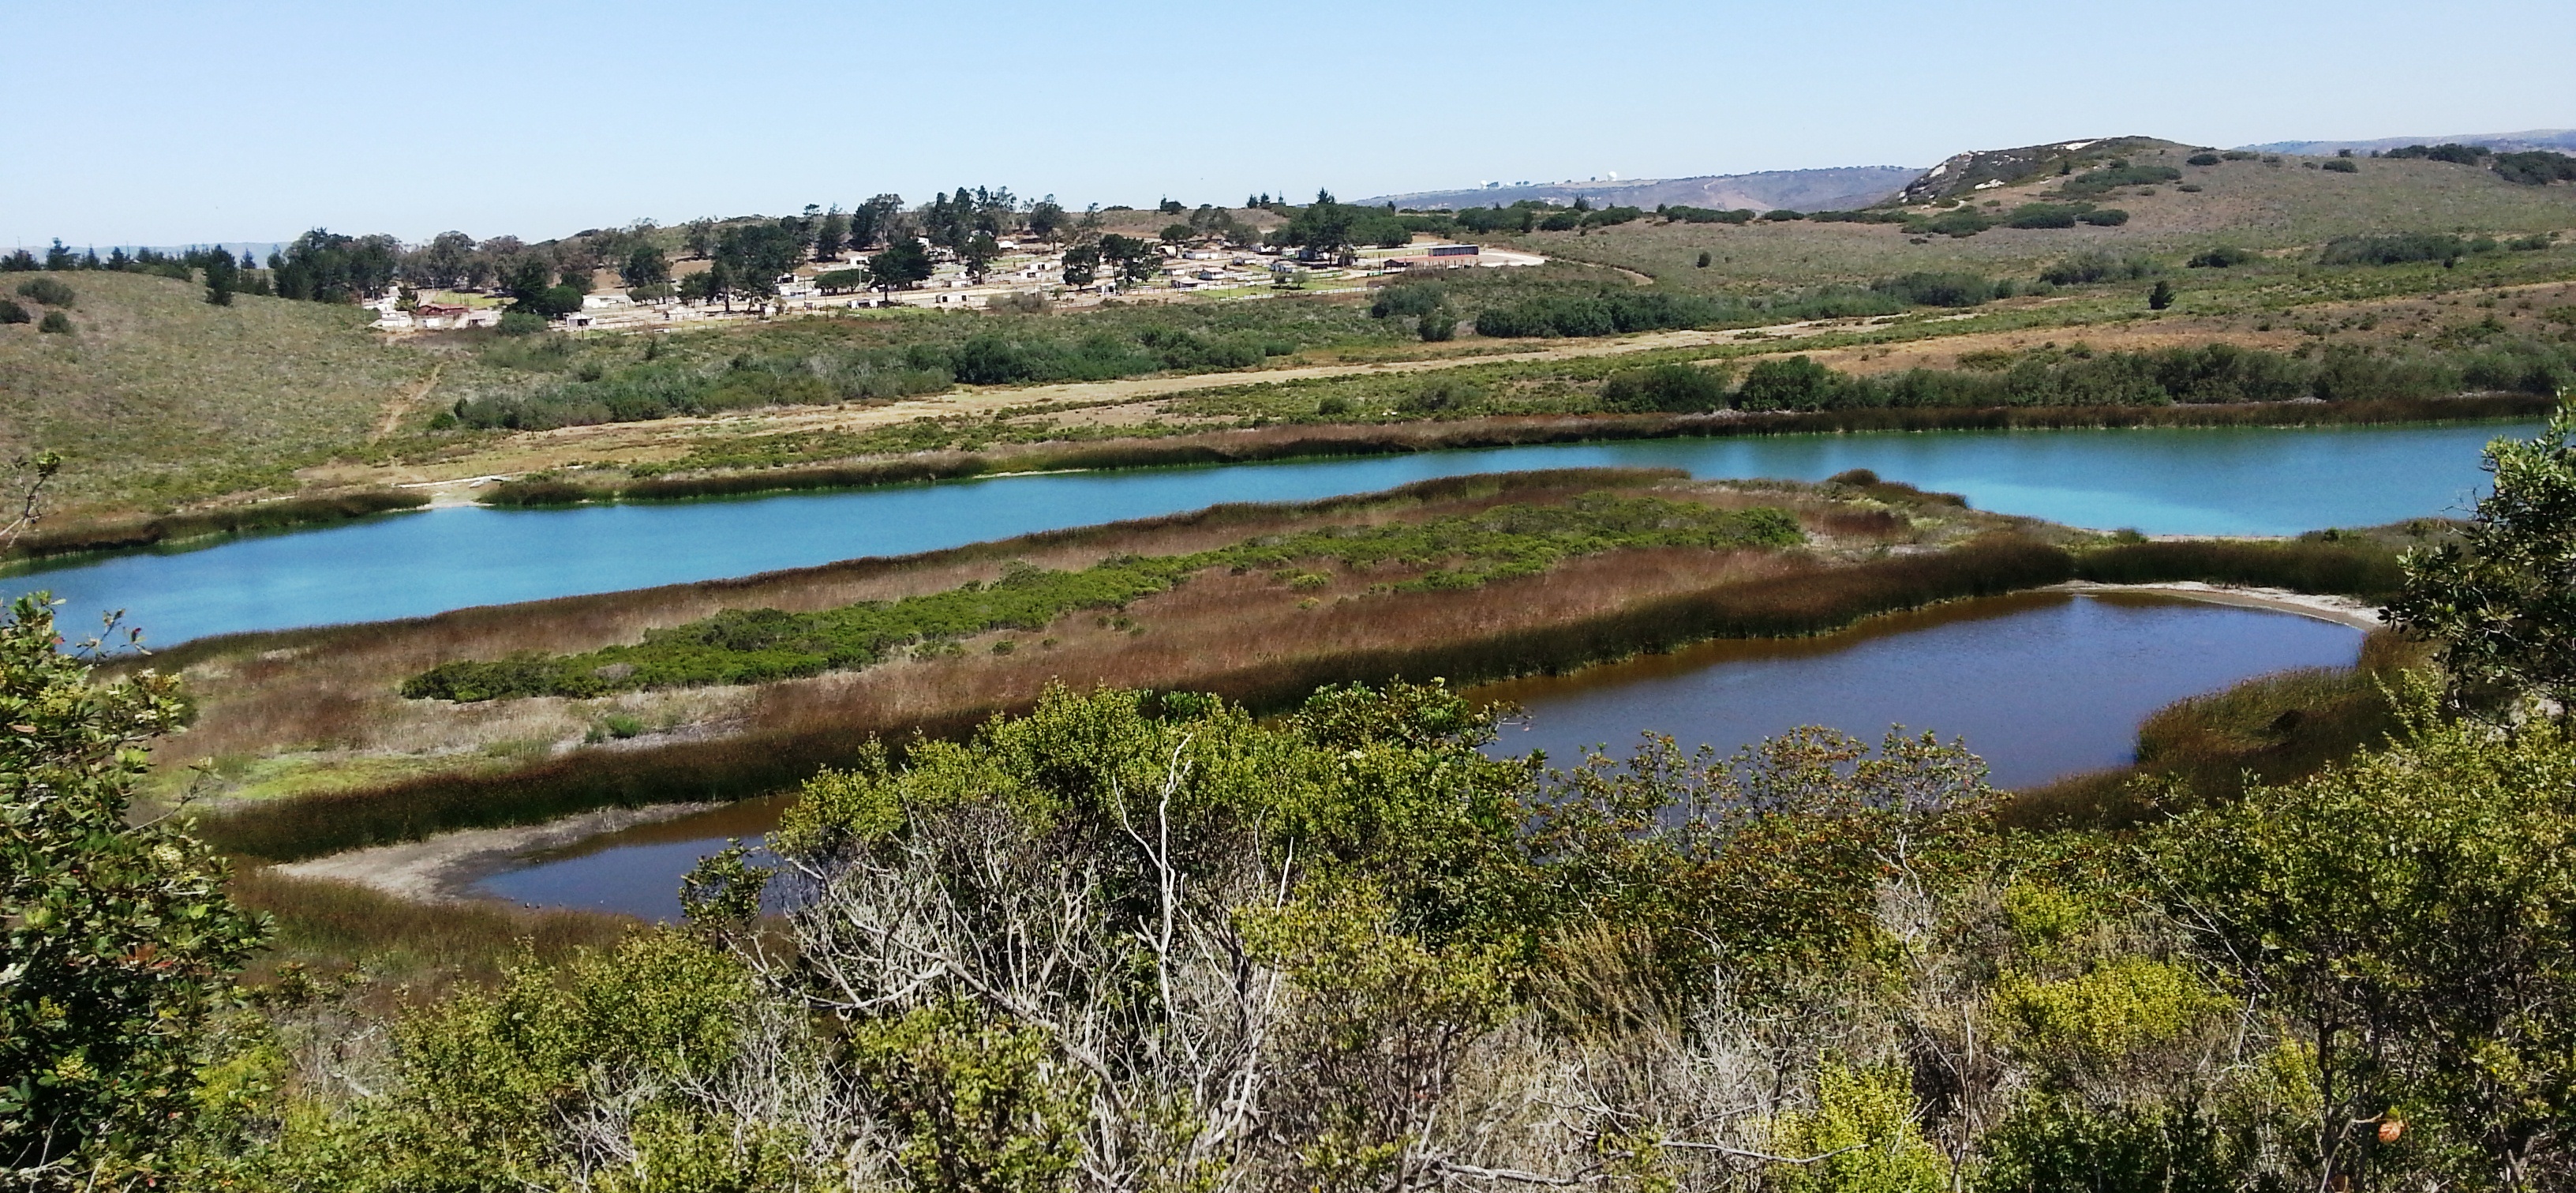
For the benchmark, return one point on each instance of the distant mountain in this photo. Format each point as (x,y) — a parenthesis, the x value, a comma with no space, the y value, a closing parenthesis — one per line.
(2561,139)
(1837,189)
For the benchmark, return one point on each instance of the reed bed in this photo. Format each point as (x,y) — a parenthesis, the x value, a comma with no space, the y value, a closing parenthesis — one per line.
(294,513)
(419,947)
(2356,568)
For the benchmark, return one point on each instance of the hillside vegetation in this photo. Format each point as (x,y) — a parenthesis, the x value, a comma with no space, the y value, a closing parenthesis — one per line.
(157,397)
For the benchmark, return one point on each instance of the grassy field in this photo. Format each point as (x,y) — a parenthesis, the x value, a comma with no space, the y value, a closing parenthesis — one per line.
(2270,209)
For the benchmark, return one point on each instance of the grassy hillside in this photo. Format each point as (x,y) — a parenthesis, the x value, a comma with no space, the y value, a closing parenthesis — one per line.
(2248,204)
(157,397)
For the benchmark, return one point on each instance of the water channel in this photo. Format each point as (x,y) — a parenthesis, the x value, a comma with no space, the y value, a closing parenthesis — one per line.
(2162,481)
(2041,685)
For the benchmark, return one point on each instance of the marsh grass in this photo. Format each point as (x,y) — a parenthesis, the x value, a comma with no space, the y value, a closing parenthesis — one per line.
(1204,637)
(292,513)
(2204,750)
(2356,568)
(402,944)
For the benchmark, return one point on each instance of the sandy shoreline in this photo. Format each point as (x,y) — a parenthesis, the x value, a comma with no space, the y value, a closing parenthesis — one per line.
(2361,615)
(444,868)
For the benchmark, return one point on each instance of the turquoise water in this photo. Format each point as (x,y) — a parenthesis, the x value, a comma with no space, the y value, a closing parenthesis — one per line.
(2022,679)
(2162,481)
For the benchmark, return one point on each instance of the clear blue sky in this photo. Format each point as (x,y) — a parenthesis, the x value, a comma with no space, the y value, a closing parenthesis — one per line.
(178,123)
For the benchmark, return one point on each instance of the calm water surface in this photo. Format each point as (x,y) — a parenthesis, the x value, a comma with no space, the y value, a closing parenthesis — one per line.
(2040,685)
(2162,481)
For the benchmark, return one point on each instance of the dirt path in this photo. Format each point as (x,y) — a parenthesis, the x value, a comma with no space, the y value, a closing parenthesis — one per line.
(399,406)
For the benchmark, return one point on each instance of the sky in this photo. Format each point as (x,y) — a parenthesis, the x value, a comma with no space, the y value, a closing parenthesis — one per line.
(171,124)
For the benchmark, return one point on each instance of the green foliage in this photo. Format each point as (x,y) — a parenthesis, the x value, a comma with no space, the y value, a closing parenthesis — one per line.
(1675,388)
(2421,967)
(2340,165)
(2088,268)
(120,939)
(2098,1019)
(2059,1143)
(1863,1125)
(758,645)
(1607,312)
(1956,222)
(2497,601)
(520,323)
(1797,383)
(2202,159)
(2222,257)
(2396,248)
(2536,167)
(48,291)
(969,1099)
(55,323)
(2095,183)
(1942,289)
(2160,296)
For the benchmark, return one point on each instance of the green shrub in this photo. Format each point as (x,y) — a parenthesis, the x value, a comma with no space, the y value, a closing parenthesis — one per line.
(2340,165)
(2042,215)
(1605,312)
(48,291)
(2398,248)
(2202,159)
(56,322)
(2538,167)
(1798,383)
(1784,214)
(2114,176)
(520,323)
(1674,388)
(2087,268)
(1437,325)
(11,312)
(2225,256)
(1703,258)
(1938,289)
(2104,217)
(1960,222)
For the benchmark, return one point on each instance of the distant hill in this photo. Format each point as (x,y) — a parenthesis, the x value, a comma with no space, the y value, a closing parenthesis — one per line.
(1836,189)
(2562,139)
(1993,169)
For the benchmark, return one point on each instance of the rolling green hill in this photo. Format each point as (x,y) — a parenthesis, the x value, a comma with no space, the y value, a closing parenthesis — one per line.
(2246,203)
(157,398)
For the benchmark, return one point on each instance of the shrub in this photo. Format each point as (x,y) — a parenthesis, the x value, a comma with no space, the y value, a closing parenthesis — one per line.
(2161,296)
(1937,289)
(56,322)
(1563,221)
(1703,258)
(2117,174)
(2202,159)
(1607,312)
(2225,256)
(2539,167)
(2042,215)
(11,312)
(1784,214)
(1409,300)
(1707,215)
(1334,406)
(1437,326)
(48,291)
(2341,165)
(1671,388)
(1960,222)
(2397,248)
(520,323)
(2087,268)
(2104,217)
(1797,383)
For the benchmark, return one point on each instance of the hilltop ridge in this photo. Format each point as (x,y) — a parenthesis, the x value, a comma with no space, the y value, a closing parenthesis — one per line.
(2561,139)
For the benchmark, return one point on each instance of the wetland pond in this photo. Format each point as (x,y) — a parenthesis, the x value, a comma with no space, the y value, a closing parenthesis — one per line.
(2041,685)
(2236,480)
